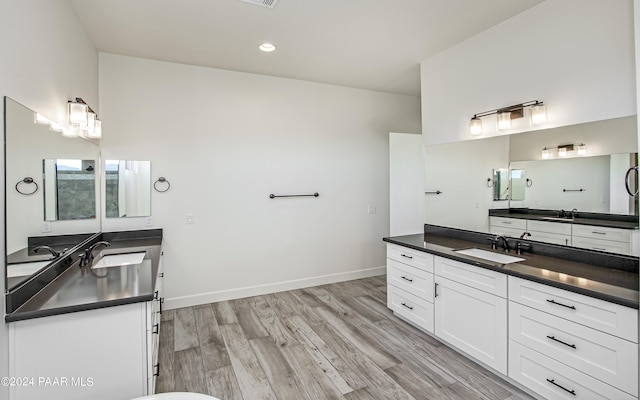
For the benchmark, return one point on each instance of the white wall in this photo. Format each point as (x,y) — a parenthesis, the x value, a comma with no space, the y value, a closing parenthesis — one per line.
(47,59)
(461,175)
(575,55)
(226,140)
(406,184)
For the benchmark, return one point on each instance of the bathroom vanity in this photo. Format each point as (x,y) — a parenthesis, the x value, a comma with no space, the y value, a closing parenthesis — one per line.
(92,334)
(561,322)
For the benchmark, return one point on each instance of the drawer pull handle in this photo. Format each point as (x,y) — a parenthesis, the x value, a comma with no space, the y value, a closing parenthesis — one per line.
(407,306)
(406,279)
(155,295)
(406,256)
(155,329)
(553,382)
(435,289)
(560,304)
(573,346)
(598,248)
(506,223)
(161,275)
(599,233)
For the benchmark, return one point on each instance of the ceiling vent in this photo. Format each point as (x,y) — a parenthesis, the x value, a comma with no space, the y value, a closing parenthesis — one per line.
(263,3)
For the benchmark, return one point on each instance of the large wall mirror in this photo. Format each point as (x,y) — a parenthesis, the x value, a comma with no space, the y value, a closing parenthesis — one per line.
(461,171)
(51,186)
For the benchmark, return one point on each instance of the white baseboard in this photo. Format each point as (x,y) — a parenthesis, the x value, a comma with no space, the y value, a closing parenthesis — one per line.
(231,294)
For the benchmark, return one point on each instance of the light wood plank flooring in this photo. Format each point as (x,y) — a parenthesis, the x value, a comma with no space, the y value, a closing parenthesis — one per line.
(336,341)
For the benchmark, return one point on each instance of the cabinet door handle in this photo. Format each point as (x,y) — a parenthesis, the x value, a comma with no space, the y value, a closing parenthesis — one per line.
(407,306)
(155,295)
(435,289)
(560,304)
(406,279)
(553,382)
(157,370)
(573,346)
(161,275)
(161,302)
(155,329)
(506,223)
(406,256)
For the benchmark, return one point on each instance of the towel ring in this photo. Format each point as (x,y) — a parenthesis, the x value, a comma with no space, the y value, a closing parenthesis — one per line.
(27,181)
(490,182)
(162,179)
(529,182)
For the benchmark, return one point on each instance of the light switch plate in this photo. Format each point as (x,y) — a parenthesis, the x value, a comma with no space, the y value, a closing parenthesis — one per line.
(46,227)
(372,209)
(148,221)
(190,219)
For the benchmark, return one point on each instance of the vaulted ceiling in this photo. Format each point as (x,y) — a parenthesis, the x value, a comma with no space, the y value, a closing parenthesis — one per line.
(368,44)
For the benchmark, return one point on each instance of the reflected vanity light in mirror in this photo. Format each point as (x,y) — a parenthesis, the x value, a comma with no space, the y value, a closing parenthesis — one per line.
(565,150)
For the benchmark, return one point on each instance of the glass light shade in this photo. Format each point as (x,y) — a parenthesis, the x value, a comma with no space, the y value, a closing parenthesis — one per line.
(41,119)
(91,123)
(77,113)
(545,153)
(56,127)
(71,131)
(562,151)
(267,47)
(475,126)
(97,130)
(538,114)
(582,149)
(504,120)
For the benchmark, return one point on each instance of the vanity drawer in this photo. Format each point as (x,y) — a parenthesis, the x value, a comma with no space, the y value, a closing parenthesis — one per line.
(504,231)
(410,307)
(514,223)
(598,314)
(602,245)
(562,228)
(554,380)
(414,258)
(410,279)
(477,277)
(597,232)
(600,355)
(555,238)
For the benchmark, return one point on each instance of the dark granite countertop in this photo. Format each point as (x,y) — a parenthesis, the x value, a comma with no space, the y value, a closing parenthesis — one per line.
(70,291)
(582,218)
(611,284)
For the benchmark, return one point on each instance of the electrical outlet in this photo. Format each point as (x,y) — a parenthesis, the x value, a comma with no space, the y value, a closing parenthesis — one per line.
(371,209)
(190,219)
(46,227)
(148,221)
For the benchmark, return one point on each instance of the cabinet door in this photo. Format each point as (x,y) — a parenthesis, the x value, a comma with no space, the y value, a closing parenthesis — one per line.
(472,321)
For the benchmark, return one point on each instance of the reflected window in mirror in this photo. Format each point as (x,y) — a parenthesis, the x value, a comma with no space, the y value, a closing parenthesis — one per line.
(127,188)
(518,184)
(500,184)
(69,189)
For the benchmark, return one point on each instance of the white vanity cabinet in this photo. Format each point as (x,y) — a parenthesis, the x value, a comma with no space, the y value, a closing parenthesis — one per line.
(410,285)
(471,311)
(550,232)
(612,240)
(563,344)
(100,354)
(512,227)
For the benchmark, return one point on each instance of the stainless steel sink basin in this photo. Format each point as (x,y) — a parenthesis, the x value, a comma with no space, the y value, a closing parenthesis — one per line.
(119,260)
(489,256)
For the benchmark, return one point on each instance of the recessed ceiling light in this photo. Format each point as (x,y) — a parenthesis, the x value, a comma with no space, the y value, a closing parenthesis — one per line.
(267,47)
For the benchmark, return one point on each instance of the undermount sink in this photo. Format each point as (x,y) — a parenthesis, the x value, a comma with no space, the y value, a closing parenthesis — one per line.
(489,256)
(119,260)
(557,219)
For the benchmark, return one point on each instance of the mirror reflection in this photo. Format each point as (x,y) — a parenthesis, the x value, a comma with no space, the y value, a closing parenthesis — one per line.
(461,170)
(127,188)
(69,189)
(27,225)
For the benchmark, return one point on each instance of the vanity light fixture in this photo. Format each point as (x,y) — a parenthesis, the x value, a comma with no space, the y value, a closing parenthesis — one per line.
(504,116)
(83,119)
(563,150)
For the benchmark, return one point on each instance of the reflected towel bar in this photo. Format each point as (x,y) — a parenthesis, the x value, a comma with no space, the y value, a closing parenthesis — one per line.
(574,190)
(436,192)
(273,196)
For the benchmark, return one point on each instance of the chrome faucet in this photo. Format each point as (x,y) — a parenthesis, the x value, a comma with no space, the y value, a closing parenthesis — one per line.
(86,258)
(573,213)
(525,234)
(53,251)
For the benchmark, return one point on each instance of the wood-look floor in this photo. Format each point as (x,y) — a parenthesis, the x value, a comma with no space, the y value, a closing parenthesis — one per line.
(336,341)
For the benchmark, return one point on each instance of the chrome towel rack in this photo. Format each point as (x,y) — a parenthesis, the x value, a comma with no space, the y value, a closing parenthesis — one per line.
(434,192)
(574,190)
(273,196)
